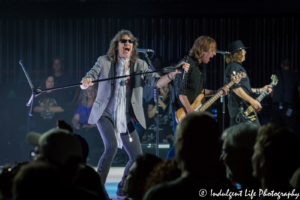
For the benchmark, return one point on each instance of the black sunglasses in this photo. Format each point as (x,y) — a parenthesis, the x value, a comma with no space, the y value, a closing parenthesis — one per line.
(124,41)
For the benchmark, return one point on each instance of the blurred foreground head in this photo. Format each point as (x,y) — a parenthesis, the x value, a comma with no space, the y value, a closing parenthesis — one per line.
(276,154)
(197,141)
(135,183)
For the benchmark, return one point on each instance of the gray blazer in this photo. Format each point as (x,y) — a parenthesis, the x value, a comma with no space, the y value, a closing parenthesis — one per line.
(104,68)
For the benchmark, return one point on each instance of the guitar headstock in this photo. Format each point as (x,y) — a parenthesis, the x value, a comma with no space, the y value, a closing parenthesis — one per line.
(274,80)
(237,77)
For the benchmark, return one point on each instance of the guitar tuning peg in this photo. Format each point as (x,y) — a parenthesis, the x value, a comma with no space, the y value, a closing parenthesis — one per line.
(234,73)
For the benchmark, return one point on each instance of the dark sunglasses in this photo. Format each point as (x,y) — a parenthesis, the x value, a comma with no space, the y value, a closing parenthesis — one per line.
(124,41)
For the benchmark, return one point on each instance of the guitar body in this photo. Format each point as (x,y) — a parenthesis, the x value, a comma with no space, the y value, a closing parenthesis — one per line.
(181,113)
(249,112)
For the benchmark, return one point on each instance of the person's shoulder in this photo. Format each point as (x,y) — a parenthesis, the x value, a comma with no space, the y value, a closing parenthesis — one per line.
(140,62)
(103,59)
(81,106)
(234,64)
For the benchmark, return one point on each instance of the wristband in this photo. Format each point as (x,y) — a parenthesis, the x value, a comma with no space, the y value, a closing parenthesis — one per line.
(169,77)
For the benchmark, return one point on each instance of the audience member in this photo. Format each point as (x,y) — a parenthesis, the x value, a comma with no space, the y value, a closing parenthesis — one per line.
(38,180)
(88,131)
(165,119)
(196,145)
(83,112)
(59,147)
(63,79)
(135,183)
(6,179)
(62,149)
(89,179)
(285,97)
(276,157)
(163,172)
(295,180)
(237,152)
(48,104)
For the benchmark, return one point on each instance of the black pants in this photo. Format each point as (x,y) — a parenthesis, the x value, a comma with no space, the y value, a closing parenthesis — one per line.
(240,119)
(280,116)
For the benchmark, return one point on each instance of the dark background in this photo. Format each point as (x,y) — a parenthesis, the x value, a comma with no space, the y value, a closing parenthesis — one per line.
(80,31)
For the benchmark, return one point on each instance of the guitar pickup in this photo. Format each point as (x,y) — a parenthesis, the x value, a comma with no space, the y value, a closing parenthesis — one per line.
(252,118)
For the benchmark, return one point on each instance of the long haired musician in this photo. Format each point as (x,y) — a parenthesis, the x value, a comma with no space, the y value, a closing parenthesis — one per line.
(242,90)
(119,102)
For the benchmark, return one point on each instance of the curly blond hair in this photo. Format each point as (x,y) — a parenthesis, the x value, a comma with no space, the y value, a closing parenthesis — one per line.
(235,57)
(113,49)
(202,44)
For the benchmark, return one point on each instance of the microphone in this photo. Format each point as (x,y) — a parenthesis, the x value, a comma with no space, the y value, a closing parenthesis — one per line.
(223,52)
(183,72)
(145,50)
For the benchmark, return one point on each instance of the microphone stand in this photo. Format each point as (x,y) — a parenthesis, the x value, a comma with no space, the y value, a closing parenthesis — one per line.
(38,91)
(222,96)
(157,108)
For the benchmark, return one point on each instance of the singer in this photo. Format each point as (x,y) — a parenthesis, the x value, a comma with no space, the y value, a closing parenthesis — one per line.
(119,102)
(189,85)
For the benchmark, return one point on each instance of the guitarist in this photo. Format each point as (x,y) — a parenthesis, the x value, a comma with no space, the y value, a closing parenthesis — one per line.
(242,90)
(191,84)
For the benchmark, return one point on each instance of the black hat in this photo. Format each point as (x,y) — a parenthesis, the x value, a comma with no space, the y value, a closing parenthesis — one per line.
(236,46)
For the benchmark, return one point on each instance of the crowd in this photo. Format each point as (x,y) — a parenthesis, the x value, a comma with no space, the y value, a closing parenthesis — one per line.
(257,159)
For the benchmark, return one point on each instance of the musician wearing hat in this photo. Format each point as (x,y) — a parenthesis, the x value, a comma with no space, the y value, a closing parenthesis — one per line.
(242,90)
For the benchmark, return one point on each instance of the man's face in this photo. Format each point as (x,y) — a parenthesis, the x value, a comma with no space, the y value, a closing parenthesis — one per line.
(244,54)
(125,47)
(257,161)
(208,54)
(57,65)
(237,162)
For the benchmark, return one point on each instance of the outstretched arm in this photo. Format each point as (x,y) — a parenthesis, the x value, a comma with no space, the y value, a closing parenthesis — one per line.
(241,93)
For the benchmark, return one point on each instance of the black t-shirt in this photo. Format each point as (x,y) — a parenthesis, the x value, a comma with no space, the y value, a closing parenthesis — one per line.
(233,99)
(187,188)
(52,99)
(286,89)
(66,94)
(47,119)
(193,82)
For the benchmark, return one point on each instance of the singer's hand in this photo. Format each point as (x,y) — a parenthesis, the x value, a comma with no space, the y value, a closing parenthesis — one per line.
(86,83)
(185,66)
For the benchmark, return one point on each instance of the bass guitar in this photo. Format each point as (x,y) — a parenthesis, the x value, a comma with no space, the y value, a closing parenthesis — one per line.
(197,106)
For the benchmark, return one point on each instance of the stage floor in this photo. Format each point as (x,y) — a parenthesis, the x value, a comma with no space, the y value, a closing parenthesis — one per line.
(114,177)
